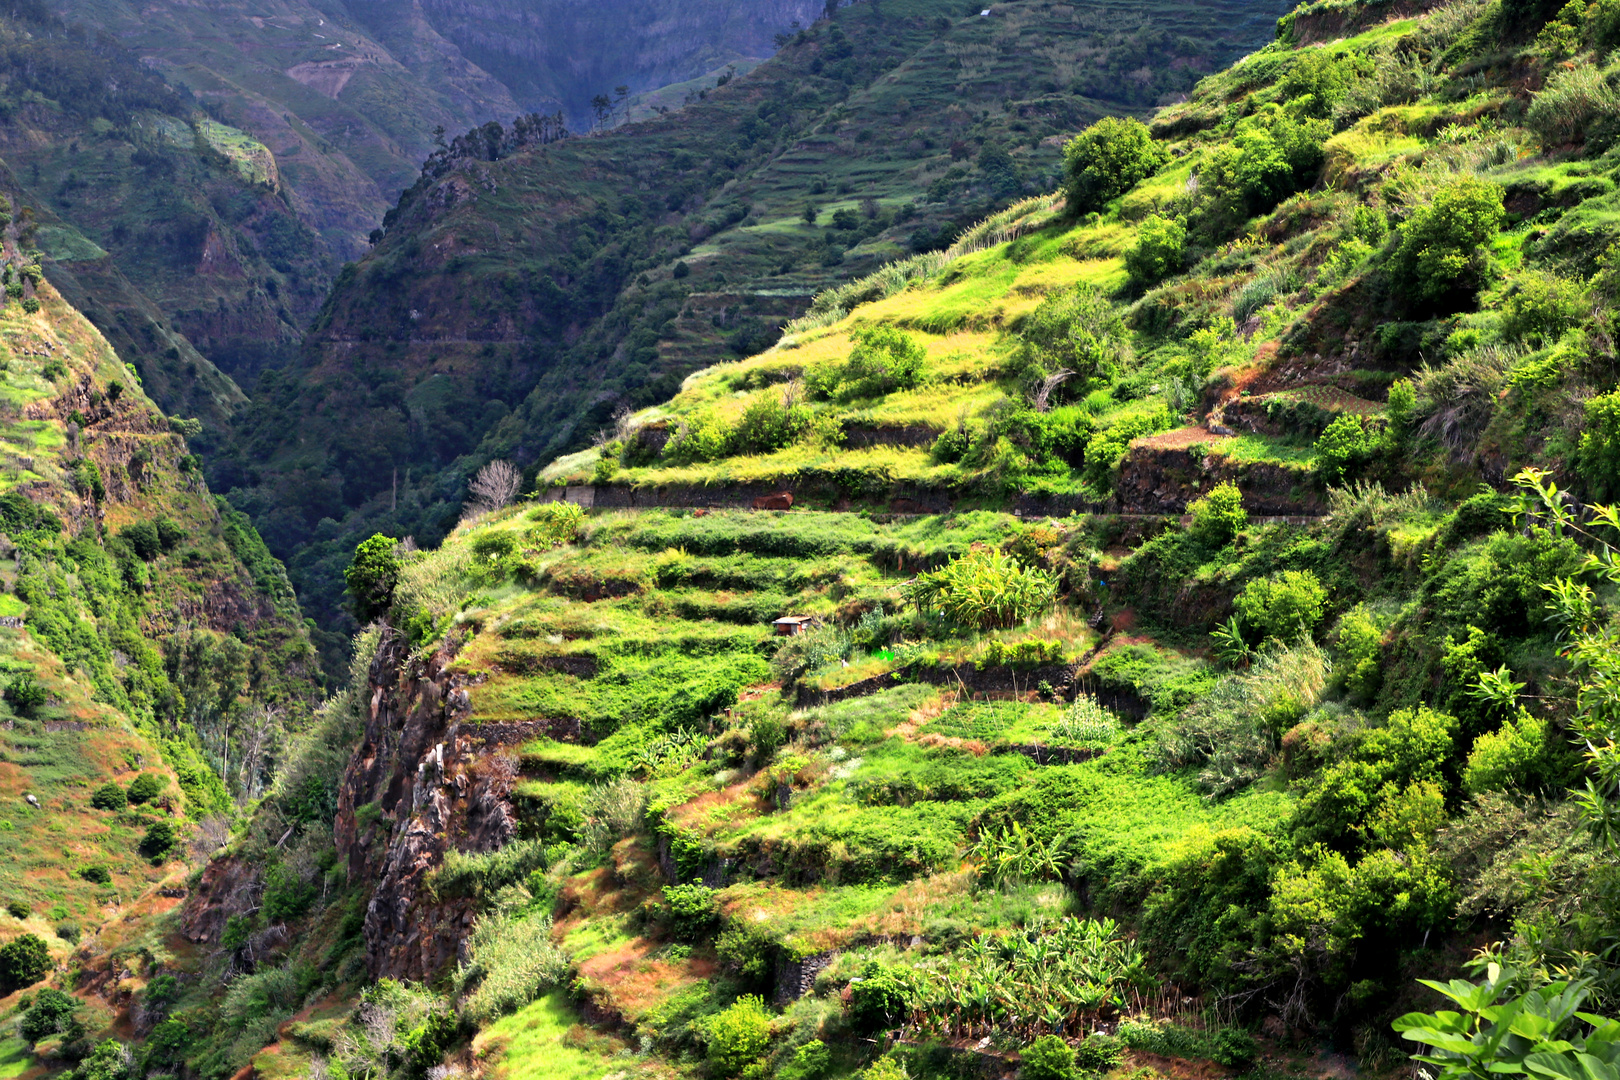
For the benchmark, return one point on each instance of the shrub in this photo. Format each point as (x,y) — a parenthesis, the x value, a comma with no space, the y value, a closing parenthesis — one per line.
(1219,516)
(18,909)
(511,961)
(693,910)
(145,788)
(68,932)
(1360,646)
(143,538)
(556,523)
(738,1036)
(1234,1048)
(24,960)
(25,695)
(1158,251)
(49,1014)
(877,999)
(1285,606)
(984,590)
(1078,330)
(1098,1053)
(1543,305)
(1048,1058)
(809,1062)
(109,796)
(1108,159)
(1512,758)
(883,361)
(1597,456)
(372,576)
(1343,448)
(159,840)
(1439,250)
(286,894)
(110,1060)
(96,875)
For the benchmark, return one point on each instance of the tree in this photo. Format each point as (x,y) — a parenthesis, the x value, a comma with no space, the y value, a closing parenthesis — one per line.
(1108,159)
(1439,252)
(1158,250)
(372,576)
(24,961)
(109,797)
(877,1000)
(493,487)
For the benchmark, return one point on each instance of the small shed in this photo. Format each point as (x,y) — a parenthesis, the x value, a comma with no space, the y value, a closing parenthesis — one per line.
(788,625)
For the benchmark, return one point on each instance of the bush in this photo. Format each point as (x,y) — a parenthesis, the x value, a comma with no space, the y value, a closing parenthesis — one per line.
(159,840)
(1234,1048)
(693,910)
(145,788)
(25,695)
(738,1036)
(1515,757)
(1543,305)
(809,1062)
(1158,251)
(1078,330)
(372,576)
(109,796)
(877,999)
(1048,1058)
(1577,105)
(110,1060)
(556,523)
(24,960)
(1219,516)
(1439,250)
(143,538)
(17,909)
(1343,448)
(1597,456)
(68,932)
(1107,160)
(1360,646)
(883,361)
(1099,1053)
(48,1015)
(984,590)
(96,875)
(1285,606)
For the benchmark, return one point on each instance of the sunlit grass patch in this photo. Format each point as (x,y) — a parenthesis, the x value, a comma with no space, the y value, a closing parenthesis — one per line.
(539,1043)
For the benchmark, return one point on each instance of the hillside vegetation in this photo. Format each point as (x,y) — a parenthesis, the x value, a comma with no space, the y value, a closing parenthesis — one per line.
(526,290)
(1200,643)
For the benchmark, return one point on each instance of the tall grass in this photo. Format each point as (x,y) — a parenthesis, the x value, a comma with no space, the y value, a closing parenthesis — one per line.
(511,961)
(1456,399)
(1572,100)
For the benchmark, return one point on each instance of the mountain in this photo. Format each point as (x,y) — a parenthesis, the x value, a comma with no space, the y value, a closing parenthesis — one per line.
(154,656)
(525,290)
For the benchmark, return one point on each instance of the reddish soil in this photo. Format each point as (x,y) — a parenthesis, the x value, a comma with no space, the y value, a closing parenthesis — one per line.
(1181,438)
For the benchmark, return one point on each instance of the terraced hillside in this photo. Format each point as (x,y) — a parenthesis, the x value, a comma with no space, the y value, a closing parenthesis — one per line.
(523,294)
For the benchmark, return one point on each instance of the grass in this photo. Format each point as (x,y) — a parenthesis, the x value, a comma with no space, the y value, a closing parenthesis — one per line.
(14,1058)
(541,1042)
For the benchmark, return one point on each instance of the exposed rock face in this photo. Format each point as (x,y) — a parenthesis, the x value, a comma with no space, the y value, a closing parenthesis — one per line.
(426,782)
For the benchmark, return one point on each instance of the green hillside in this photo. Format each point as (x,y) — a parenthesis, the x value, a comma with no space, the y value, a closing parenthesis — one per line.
(522,296)
(1163,629)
